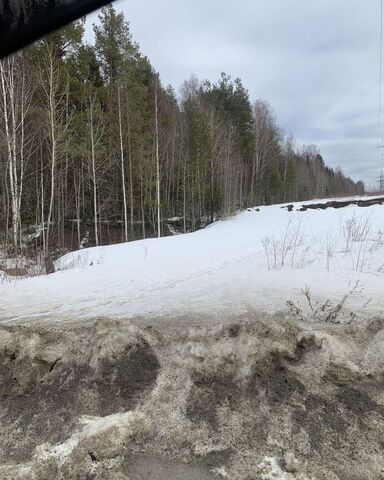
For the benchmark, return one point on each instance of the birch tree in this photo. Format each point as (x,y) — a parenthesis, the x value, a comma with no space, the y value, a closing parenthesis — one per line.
(157,161)
(54,95)
(16,96)
(95,137)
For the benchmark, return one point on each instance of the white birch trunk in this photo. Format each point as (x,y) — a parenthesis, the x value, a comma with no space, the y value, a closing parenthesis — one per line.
(14,107)
(157,166)
(122,166)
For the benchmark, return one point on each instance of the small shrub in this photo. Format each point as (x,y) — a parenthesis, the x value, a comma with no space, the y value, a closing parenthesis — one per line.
(329,311)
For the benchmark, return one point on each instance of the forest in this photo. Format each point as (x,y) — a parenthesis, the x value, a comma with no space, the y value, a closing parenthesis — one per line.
(94,149)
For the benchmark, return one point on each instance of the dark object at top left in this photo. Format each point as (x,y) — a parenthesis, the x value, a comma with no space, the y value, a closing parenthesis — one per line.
(24,21)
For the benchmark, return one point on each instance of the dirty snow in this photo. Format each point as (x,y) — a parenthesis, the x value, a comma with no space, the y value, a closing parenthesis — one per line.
(256,260)
(88,428)
(272,471)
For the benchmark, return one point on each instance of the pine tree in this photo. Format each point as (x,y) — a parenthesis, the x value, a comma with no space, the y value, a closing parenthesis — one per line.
(109,150)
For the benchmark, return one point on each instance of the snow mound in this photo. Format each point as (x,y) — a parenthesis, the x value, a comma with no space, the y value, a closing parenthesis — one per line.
(259,259)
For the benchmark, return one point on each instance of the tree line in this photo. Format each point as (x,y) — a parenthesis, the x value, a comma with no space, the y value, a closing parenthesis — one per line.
(93,146)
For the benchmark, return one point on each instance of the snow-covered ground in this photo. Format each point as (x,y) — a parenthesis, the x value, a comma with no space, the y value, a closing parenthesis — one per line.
(256,260)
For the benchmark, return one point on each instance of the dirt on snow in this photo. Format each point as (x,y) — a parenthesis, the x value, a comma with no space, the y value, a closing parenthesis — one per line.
(250,397)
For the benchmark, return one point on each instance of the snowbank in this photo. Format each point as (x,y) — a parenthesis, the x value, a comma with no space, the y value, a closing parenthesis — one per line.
(258,259)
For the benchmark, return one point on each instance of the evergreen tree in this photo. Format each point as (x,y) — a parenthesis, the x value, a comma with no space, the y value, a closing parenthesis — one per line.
(113,43)
(110,153)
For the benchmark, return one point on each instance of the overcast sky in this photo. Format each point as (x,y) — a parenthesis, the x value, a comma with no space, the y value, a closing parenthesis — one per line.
(315,61)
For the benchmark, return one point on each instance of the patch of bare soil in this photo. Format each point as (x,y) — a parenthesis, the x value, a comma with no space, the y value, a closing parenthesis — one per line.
(337,204)
(257,399)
